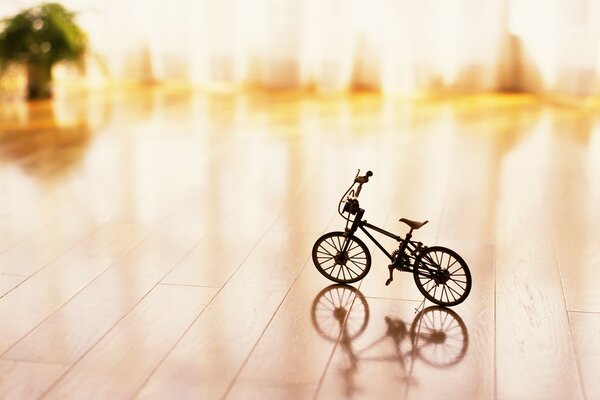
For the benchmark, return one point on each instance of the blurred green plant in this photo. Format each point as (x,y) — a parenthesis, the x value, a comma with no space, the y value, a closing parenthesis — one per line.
(38,38)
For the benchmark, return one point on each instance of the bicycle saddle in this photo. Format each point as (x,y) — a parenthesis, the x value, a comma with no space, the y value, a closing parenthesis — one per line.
(413,224)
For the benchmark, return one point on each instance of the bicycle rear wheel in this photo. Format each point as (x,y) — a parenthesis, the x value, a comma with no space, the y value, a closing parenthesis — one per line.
(341,258)
(442,276)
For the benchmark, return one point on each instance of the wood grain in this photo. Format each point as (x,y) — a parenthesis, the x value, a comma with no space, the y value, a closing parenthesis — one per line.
(534,357)
(586,341)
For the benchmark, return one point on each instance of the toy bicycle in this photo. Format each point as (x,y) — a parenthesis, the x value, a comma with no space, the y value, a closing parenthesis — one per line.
(440,274)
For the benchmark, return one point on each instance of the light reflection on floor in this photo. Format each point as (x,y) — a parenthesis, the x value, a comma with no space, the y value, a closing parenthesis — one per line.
(119,207)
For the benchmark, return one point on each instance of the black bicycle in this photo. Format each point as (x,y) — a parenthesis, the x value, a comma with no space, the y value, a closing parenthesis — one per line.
(440,274)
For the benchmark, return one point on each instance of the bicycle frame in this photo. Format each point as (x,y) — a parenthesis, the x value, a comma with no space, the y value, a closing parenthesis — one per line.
(405,243)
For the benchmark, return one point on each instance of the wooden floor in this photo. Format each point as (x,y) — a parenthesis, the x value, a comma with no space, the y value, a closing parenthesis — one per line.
(155,243)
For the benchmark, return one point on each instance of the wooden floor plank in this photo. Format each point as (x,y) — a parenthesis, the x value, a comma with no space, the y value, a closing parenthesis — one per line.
(292,335)
(15,227)
(535,357)
(118,365)
(586,340)
(41,295)
(36,251)
(219,254)
(9,282)
(576,229)
(86,318)
(25,380)
(206,360)
(576,218)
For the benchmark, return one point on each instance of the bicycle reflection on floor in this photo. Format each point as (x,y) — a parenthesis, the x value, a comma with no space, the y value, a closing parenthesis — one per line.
(437,335)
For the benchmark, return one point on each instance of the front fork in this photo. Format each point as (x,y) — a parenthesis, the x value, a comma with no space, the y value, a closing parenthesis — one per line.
(353,228)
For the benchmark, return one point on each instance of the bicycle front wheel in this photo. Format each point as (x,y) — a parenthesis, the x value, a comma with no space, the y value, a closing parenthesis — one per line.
(341,258)
(442,276)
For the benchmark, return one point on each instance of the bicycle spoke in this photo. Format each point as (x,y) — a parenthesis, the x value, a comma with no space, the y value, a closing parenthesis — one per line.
(431,263)
(324,258)
(350,249)
(342,271)
(324,251)
(357,254)
(452,293)
(455,261)
(357,265)
(332,244)
(459,269)
(432,285)
(330,267)
(337,275)
(426,282)
(444,292)
(350,270)
(457,293)
(358,262)
(457,283)
(340,243)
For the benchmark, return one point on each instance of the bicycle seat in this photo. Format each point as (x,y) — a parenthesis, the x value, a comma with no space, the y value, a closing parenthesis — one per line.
(413,224)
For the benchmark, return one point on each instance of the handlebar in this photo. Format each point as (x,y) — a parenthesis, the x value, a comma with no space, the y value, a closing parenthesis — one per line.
(349,199)
(361,180)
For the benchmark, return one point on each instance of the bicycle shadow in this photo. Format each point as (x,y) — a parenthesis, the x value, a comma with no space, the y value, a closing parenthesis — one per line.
(436,335)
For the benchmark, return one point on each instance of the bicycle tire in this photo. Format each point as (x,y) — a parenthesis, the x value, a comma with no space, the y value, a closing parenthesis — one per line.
(331,261)
(450,275)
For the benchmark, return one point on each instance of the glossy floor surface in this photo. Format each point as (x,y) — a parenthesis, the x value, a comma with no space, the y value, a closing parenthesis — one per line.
(156,243)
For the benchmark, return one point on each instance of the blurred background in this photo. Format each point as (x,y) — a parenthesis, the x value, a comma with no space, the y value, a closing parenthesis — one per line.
(195,150)
(398,47)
